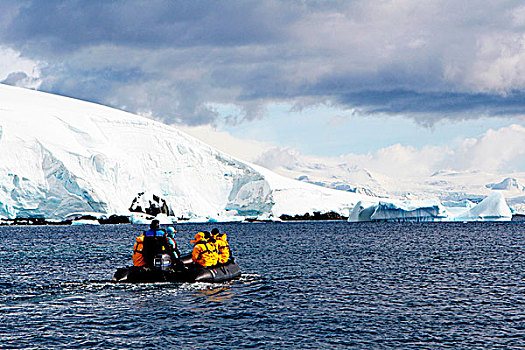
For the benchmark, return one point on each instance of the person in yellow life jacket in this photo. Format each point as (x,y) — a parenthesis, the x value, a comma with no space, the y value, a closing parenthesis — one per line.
(222,245)
(204,253)
(138,258)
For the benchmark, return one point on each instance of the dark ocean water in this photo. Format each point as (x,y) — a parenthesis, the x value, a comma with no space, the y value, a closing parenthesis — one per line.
(305,286)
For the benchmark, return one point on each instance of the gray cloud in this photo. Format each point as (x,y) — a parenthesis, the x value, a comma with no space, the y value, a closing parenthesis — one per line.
(69,25)
(175,59)
(15,78)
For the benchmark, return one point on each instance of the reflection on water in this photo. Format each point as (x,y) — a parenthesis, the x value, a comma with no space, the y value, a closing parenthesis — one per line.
(218,294)
(304,285)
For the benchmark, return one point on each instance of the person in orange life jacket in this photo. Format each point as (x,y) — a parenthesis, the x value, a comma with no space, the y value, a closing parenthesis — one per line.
(154,243)
(138,258)
(222,245)
(204,252)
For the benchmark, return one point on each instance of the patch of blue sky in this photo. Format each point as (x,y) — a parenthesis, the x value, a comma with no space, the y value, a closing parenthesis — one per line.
(329,131)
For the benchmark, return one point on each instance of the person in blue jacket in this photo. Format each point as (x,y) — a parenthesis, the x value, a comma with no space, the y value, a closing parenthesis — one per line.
(174,251)
(170,237)
(154,243)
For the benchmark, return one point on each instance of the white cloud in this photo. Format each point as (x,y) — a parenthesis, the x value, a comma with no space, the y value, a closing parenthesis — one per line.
(496,151)
(400,161)
(248,150)
(276,157)
(518,16)
(501,150)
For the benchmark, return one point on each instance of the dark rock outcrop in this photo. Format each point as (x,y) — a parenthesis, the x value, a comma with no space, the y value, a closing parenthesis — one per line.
(317,216)
(152,206)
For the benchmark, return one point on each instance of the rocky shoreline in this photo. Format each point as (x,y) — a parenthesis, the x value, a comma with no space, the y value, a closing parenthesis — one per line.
(122,219)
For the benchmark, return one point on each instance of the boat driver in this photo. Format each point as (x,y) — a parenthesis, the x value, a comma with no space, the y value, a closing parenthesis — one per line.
(154,243)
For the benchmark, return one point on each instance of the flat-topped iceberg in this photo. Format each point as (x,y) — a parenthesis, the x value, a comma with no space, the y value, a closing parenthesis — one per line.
(492,208)
(418,211)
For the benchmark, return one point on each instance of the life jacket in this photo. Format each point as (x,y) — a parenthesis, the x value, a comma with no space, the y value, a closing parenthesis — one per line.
(138,258)
(205,253)
(223,248)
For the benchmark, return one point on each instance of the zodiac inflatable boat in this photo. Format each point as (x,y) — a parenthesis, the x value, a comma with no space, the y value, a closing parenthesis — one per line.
(190,273)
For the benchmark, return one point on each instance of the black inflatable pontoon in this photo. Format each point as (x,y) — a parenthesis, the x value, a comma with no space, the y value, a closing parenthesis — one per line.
(192,273)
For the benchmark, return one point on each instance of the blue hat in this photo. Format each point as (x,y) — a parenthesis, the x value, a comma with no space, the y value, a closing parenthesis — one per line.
(171,230)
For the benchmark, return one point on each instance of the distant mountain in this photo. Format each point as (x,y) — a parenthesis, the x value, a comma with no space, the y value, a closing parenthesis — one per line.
(445,185)
(330,174)
(508,184)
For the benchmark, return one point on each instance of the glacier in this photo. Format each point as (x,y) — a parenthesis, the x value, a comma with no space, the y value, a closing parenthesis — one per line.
(60,157)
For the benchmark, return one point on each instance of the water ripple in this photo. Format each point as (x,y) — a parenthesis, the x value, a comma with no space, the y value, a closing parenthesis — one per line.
(305,285)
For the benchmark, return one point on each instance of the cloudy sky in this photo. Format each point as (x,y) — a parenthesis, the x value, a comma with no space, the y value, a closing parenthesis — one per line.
(378,79)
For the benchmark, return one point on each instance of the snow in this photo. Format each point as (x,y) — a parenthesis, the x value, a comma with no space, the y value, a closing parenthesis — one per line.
(345,173)
(145,219)
(140,219)
(60,156)
(508,184)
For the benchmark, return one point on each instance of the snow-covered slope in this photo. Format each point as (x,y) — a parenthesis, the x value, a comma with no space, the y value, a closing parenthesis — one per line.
(445,185)
(59,155)
(508,184)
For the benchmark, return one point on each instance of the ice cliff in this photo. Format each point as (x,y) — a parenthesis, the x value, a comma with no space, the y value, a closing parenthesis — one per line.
(59,156)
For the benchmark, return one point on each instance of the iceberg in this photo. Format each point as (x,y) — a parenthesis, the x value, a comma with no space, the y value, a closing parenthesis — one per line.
(140,219)
(85,222)
(399,211)
(492,208)
(145,219)
(418,211)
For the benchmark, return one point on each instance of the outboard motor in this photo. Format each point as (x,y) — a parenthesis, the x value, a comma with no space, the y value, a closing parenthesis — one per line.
(162,262)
